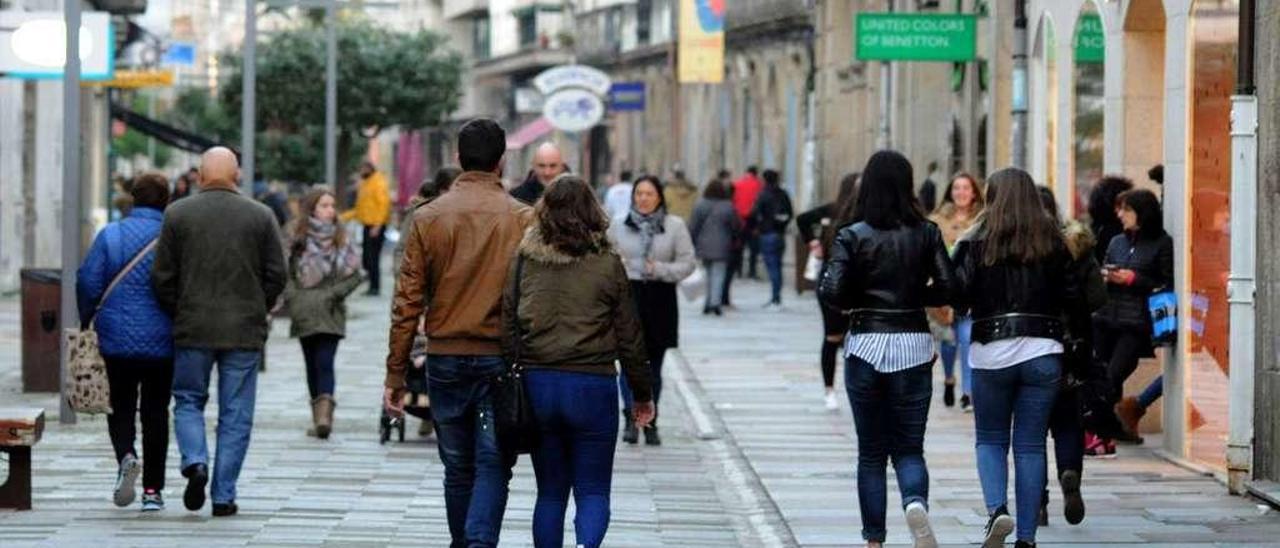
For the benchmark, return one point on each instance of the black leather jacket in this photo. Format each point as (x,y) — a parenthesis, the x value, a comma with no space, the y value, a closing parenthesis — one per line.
(887,277)
(1151,259)
(1010,299)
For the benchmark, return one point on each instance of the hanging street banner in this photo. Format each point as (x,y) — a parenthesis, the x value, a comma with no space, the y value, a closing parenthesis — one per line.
(700,54)
(1091,43)
(915,37)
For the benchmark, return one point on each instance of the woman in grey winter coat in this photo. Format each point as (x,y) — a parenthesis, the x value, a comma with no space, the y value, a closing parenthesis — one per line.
(657,251)
(712,228)
(324,269)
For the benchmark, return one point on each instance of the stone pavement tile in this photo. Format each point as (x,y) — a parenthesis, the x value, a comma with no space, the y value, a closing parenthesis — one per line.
(349,490)
(759,373)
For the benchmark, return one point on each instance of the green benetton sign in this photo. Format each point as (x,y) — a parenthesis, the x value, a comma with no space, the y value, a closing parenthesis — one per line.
(915,37)
(1091,44)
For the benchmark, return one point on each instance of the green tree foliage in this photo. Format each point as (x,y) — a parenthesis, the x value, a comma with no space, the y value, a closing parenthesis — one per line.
(133,144)
(385,79)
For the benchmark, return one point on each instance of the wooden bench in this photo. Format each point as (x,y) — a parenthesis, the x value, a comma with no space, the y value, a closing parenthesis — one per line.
(19,430)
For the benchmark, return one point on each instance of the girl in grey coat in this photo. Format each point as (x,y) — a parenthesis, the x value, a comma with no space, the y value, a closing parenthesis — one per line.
(713,226)
(657,251)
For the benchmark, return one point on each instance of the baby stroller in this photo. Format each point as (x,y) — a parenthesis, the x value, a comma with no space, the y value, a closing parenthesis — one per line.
(416,402)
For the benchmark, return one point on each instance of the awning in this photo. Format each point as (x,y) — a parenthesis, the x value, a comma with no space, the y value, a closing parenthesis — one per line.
(164,133)
(529,133)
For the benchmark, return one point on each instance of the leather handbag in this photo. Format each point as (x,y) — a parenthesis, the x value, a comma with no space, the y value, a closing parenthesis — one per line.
(87,389)
(514,422)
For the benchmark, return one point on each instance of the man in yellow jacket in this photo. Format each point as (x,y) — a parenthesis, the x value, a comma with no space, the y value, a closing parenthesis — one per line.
(373,210)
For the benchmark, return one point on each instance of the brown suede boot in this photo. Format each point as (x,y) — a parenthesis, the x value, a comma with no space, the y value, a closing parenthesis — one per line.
(322,415)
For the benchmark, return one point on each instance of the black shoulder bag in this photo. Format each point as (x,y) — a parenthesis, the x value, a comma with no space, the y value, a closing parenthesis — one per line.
(512,413)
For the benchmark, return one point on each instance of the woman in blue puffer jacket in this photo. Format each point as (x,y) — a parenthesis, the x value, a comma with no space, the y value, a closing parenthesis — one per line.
(136,339)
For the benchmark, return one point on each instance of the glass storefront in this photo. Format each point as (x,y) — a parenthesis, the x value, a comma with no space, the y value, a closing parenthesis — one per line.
(1089,47)
(1214,45)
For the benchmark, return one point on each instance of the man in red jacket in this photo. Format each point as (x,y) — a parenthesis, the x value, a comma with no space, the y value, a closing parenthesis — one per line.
(745,191)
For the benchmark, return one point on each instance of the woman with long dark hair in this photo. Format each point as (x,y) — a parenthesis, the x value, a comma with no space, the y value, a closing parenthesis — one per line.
(818,228)
(1082,378)
(657,251)
(961,204)
(1138,262)
(324,269)
(1016,281)
(1103,219)
(568,336)
(885,268)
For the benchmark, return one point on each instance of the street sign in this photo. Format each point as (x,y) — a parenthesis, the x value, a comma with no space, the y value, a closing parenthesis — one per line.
(33,45)
(573,109)
(915,37)
(626,96)
(572,76)
(574,96)
(182,54)
(1091,42)
(134,79)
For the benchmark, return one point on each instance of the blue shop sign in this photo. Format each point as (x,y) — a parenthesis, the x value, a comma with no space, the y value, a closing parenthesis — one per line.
(626,96)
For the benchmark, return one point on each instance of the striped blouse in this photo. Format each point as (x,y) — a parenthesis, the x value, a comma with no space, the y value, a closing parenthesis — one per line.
(891,352)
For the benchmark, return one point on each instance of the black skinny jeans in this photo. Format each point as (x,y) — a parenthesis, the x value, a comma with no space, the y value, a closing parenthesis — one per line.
(1121,349)
(155,378)
(371,250)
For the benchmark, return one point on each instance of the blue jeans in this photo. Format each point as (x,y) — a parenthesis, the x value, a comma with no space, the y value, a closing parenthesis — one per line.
(475,471)
(237,391)
(951,351)
(579,424)
(717,277)
(1151,393)
(771,246)
(1022,394)
(889,412)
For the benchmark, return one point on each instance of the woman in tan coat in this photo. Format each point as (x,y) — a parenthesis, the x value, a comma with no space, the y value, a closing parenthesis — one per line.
(961,205)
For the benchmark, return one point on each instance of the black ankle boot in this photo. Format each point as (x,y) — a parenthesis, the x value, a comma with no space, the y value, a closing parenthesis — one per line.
(949,394)
(630,434)
(651,435)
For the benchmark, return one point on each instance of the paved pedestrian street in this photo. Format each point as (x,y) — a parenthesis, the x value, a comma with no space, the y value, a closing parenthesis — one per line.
(751,458)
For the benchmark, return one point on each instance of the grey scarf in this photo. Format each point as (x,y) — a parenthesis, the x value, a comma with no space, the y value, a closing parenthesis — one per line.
(649,227)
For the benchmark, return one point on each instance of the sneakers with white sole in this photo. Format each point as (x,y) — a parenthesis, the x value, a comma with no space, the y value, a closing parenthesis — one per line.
(152,501)
(998,528)
(830,401)
(126,480)
(918,524)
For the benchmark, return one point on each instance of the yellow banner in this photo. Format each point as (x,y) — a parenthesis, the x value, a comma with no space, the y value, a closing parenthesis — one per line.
(701,52)
(133,79)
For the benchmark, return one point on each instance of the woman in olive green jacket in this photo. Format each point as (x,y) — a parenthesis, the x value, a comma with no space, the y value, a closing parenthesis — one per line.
(568,316)
(324,268)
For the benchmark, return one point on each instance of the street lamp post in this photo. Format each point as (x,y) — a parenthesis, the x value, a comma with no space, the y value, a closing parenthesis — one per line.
(248,111)
(331,95)
(70,190)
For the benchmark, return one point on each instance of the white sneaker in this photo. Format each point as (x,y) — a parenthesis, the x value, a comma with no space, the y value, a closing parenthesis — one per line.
(830,401)
(126,479)
(918,523)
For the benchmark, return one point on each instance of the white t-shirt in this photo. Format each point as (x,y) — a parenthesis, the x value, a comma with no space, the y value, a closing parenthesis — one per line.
(1010,352)
(617,202)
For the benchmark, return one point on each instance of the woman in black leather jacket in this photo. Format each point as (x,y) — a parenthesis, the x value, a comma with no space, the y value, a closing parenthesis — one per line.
(1015,279)
(1138,262)
(885,268)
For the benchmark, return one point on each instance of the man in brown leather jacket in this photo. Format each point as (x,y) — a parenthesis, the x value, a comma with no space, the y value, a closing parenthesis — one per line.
(456,257)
